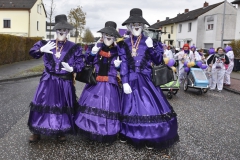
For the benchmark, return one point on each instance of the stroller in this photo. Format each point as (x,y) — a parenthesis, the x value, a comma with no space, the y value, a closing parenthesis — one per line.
(172,87)
(196,79)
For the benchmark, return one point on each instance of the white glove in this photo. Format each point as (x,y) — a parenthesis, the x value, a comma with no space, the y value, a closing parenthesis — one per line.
(117,62)
(48,47)
(126,88)
(67,67)
(149,42)
(95,49)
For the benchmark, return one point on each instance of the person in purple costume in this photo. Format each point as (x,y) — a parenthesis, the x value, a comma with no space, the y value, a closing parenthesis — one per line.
(97,118)
(147,118)
(52,108)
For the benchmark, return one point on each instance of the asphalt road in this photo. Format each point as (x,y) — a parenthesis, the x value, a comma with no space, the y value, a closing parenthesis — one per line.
(209,128)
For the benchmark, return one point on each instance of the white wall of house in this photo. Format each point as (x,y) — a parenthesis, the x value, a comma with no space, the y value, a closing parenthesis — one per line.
(186,35)
(237,31)
(206,37)
(37,20)
(24,22)
(18,26)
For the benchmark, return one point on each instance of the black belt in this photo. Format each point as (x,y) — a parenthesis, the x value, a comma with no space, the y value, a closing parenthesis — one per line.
(68,76)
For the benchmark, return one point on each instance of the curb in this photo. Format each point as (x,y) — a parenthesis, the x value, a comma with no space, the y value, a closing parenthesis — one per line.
(231,90)
(20,78)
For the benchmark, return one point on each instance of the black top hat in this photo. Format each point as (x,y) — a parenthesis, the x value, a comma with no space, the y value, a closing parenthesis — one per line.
(135,17)
(61,22)
(110,29)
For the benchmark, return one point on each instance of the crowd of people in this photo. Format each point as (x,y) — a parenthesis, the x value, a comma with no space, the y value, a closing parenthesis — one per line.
(136,111)
(216,64)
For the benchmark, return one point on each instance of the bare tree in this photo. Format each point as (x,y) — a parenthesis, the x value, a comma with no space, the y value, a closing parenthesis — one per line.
(50,15)
(88,36)
(77,18)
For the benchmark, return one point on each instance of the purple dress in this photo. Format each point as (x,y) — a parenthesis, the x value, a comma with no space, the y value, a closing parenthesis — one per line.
(52,108)
(97,118)
(147,118)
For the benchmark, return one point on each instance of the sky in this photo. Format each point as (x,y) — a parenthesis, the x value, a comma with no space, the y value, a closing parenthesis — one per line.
(100,11)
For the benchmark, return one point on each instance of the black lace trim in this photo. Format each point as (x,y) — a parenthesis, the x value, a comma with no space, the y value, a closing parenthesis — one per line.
(52,110)
(131,62)
(150,143)
(99,112)
(70,53)
(49,132)
(97,137)
(149,119)
(145,60)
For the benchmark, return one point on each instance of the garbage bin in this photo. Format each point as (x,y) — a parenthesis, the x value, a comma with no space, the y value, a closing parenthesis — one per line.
(236,65)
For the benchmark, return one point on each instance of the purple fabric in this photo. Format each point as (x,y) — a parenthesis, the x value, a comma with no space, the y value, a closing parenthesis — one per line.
(103,97)
(146,101)
(53,104)
(155,57)
(122,31)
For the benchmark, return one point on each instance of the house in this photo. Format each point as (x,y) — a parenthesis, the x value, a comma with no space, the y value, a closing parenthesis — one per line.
(23,18)
(202,27)
(169,30)
(237,31)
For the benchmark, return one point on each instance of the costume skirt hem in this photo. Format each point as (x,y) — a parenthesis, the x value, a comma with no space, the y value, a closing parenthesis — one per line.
(50,132)
(155,143)
(97,137)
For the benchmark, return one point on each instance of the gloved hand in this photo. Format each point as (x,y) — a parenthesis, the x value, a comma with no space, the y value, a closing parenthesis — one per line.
(67,67)
(48,47)
(117,62)
(149,42)
(126,88)
(95,49)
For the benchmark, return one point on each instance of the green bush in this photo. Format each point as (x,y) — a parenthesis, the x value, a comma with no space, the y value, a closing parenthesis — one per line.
(15,48)
(235,44)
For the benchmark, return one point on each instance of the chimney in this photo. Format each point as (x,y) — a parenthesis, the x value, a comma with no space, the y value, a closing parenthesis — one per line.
(186,10)
(205,4)
(167,18)
(158,20)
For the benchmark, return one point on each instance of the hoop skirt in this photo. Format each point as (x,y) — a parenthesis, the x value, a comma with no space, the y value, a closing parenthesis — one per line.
(98,114)
(147,117)
(52,108)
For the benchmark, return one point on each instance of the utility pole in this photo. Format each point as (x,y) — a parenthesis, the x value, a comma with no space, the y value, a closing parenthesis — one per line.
(223,23)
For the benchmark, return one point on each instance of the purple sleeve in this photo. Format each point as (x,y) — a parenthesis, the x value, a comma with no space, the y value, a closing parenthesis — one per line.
(156,53)
(124,65)
(88,57)
(35,50)
(79,60)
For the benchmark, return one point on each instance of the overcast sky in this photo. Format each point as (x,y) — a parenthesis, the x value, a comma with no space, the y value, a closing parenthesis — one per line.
(100,11)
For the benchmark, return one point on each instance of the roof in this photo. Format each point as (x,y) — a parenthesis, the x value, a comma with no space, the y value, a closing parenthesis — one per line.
(186,16)
(236,2)
(17,4)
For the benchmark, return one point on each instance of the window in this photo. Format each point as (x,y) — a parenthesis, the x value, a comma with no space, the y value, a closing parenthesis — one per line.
(39,8)
(165,29)
(171,29)
(50,36)
(37,26)
(210,27)
(180,28)
(7,23)
(189,27)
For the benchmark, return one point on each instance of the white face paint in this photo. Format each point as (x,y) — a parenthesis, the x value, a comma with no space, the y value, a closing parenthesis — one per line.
(62,34)
(136,28)
(108,40)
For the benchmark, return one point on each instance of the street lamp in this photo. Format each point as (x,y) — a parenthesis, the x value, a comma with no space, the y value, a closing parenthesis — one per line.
(223,23)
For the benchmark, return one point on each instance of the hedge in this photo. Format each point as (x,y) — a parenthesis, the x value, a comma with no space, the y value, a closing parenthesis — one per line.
(15,48)
(235,44)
